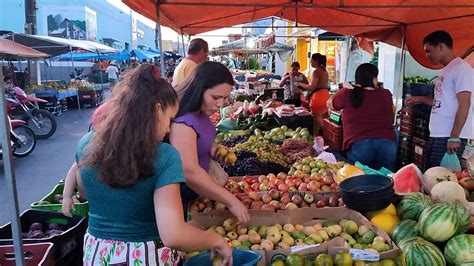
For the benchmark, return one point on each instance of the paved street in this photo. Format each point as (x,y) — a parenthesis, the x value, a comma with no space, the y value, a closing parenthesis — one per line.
(37,174)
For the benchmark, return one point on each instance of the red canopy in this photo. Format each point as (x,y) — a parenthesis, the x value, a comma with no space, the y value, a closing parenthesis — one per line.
(373,19)
(10,49)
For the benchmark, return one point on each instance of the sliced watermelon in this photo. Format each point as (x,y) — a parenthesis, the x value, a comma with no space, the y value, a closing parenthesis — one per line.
(407,180)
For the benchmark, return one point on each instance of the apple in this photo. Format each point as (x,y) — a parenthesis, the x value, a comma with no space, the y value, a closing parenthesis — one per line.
(248,190)
(313,186)
(291,206)
(327,180)
(298,173)
(279,182)
(229,225)
(275,194)
(254,196)
(266,198)
(309,198)
(268,207)
(333,201)
(233,187)
(297,182)
(297,199)
(265,181)
(261,177)
(246,201)
(467,183)
(304,205)
(248,179)
(290,183)
(303,187)
(334,186)
(255,187)
(281,175)
(282,206)
(285,199)
(275,203)
(292,189)
(220,206)
(313,205)
(256,205)
(283,193)
(271,176)
(243,185)
(321,203)
(325,188)
(263,187)
(307,179)
(283,187)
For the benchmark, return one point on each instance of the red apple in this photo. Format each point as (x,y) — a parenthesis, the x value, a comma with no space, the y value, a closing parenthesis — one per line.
(248,179)
(303,186)
(243,185)
(328,180)
(467,183)
(291,206)
(321,203)
(261,177)
(279,182)
(283,187)
(254,196)
(292,189)
(256,205)
(255,187)
(313,186)
(307,179)
(285,199)
(290,183)
(334,186)
(304,205)
(281,175)
(297,182)
(247,202)
(333,201)
(248,190)
(283,193)
(313,205)
(275,194)
(271,176)
(325,188)
(268,207)
(265,181)
(275,203)
(297,199)
(282,206)
(266,198)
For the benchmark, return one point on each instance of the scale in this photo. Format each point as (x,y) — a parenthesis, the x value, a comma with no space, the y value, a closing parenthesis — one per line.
(336,117)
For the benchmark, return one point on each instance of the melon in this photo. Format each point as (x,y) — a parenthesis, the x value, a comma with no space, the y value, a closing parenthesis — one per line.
(412,205)
(405,229)
(407,180)
(463,218)
(417,251)
(437,174)
(348,171)
(438,222)
(459,249)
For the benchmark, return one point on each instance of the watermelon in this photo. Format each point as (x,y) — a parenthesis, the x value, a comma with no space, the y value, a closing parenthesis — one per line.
(417,251)
(407,180)
(412,205)
(405,229)
(459,249)
(438,222)
(464,218)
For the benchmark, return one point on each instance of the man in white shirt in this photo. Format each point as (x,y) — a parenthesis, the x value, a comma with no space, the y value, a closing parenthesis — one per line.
(113,74)
(452,111)
(197,53)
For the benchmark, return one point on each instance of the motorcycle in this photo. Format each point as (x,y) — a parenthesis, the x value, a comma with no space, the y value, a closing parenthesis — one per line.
(42,122)
(23,139)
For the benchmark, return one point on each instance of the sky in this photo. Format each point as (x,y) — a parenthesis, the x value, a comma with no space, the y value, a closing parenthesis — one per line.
(169,34)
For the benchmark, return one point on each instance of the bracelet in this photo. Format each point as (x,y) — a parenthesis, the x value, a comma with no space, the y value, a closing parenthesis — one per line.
(454,140)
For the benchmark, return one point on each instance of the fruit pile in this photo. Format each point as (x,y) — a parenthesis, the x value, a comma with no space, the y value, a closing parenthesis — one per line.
(272,200)
(341,258)
(37,231)
(265,150)
(279,236)
(425,226)
(296,149)
(248,164)
(309,165)
(229,137)
(283,183)
(279,134)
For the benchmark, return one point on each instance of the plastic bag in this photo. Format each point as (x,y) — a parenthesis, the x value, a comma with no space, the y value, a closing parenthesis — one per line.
(227,124)
(218,173)
(451,161)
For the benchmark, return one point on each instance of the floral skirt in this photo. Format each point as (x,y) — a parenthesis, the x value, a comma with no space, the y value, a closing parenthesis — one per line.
(102,252)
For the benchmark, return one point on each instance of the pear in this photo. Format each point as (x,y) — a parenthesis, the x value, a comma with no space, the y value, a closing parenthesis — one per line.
(317,238)
(232,235)
(266,244)
(254,237)
(229,225)
(289,228)
(243,237)
(308,230)
(236,243)
(273,236)
(256,247)
(299,227)
(262,231)
(220,230)
(288,240)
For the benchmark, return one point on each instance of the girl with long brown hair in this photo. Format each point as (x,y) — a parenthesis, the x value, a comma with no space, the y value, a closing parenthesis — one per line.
(132,179)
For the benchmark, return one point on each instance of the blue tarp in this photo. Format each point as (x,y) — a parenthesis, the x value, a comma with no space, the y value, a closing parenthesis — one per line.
(124,55)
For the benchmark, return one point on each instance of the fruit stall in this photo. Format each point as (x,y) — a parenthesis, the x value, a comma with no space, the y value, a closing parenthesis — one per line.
(306,207)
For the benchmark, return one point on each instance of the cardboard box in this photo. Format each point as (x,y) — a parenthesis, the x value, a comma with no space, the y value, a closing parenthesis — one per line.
(303,216)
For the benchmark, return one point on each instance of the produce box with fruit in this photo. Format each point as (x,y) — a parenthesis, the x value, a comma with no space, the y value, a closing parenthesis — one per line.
(285,232)
(53,202)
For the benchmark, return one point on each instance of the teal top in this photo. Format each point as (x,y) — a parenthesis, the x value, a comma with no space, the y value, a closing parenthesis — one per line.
(127,214)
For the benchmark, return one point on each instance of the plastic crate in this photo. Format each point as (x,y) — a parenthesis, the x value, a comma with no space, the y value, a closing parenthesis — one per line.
(333,135)
(91,97)
(82,209)
(419,155)
(418,89)
(407,120)
(74,229)
(421,125)
(40,254)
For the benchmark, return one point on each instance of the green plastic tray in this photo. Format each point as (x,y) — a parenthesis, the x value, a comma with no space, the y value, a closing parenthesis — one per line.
(81,209)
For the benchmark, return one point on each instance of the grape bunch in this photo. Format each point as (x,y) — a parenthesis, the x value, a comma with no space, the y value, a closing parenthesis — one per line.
(245,154)
(265,150)
(234,141)
(252,166)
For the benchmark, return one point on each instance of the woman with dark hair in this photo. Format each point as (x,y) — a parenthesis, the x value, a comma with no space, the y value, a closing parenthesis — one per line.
(318,91)
(132,180)
(193,134)
(292,93)
(367,120)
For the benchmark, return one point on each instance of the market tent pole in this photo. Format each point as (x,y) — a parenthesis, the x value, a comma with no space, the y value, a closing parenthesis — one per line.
(159,40)
(77,89)
(182,41)
(399,88)
(11,182)
(100,69)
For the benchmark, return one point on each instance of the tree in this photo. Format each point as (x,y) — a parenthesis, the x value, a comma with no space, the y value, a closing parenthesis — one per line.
(375,59)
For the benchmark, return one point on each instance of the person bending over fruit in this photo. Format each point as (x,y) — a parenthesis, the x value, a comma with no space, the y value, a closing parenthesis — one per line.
(193,134)
(132,180)
(369,136)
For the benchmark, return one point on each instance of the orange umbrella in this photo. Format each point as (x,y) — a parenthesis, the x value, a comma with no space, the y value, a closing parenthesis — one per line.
(387,21)
(10,49)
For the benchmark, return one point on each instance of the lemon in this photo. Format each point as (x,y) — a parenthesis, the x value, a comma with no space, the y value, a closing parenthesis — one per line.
(231,158)
(386,222)
(391,209)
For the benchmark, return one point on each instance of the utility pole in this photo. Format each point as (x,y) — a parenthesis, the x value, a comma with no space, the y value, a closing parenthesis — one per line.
(30,28)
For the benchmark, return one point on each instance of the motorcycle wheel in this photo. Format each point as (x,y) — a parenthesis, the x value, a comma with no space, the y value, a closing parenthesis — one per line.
(43,123)
(26,141)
